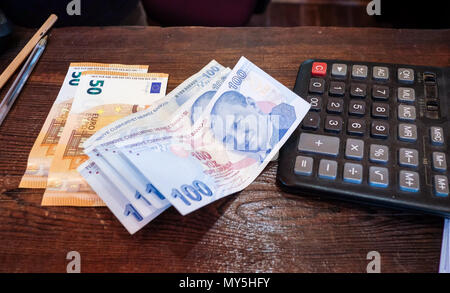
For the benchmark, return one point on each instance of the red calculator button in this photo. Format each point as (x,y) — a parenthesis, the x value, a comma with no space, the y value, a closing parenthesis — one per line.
(319,69)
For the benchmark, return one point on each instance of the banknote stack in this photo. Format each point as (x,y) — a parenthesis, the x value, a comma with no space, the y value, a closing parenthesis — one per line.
(114,137)
(91,97)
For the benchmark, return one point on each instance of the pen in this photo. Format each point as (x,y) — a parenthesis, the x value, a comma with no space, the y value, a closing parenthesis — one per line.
(22,77)
(42,31)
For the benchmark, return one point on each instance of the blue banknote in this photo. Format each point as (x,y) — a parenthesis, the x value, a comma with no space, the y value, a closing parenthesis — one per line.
(196,160)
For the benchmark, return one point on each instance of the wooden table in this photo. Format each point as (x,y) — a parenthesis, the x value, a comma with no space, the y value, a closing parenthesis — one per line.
(260,229)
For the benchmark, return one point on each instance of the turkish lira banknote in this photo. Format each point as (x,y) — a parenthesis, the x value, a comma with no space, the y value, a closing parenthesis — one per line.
(118,204)
(99,171)
(193,161)
(101,146)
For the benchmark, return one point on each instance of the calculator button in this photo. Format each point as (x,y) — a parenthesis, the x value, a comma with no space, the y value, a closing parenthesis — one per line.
(333,123)
(437,135)
(380,73)
(311,121)
(327,169)
(439,161)
(337,88)
(319,144)
(379,153)
(356,107)
(358,90)
(380,110)
(380,92)
(354,149)
(406,95)
(315,102)
(408,157)
(335,105)
(356,126)
(378,176)
(407,132)
(303,165)
(440,184)
(379,129)
(319,69)
(353,173)
(317,85)
(359,71)
(339,70)
(409,181)
(406,112)
(405,75)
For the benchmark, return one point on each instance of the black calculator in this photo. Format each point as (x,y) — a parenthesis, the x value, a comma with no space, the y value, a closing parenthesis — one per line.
(375,133)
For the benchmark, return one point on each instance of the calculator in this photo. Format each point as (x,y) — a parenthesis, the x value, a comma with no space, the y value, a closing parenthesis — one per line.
(376,133)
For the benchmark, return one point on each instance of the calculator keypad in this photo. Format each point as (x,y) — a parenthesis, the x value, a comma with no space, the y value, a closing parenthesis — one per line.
(362,129)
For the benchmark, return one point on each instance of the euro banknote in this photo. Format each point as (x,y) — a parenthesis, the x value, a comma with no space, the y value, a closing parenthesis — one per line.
(242,127)
(116,167)
(43,150)
(101,98)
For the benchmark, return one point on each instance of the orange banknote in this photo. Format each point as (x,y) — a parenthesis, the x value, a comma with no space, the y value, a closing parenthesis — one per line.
(101,98)
(44,147)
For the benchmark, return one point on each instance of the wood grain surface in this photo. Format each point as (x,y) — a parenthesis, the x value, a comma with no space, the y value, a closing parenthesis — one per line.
(260,229)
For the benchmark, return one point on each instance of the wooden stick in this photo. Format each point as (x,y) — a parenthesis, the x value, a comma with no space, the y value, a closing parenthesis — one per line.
(12,67)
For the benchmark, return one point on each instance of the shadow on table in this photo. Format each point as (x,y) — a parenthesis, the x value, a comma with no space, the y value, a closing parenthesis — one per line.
(184,233)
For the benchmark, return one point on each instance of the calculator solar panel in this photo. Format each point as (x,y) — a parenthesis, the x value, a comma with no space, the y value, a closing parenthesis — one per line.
(376,133)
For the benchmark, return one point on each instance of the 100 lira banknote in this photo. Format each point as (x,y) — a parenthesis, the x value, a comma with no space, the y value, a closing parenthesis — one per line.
(134,207)
(242,127)
(101,146)
(44,147)
(101,98)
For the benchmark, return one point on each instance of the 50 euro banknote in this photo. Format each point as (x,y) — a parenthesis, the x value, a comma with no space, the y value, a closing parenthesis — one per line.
(44,147)
(134,199)
(101,98)
(242,127)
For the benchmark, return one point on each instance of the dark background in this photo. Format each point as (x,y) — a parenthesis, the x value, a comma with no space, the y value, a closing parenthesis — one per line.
(394,13)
